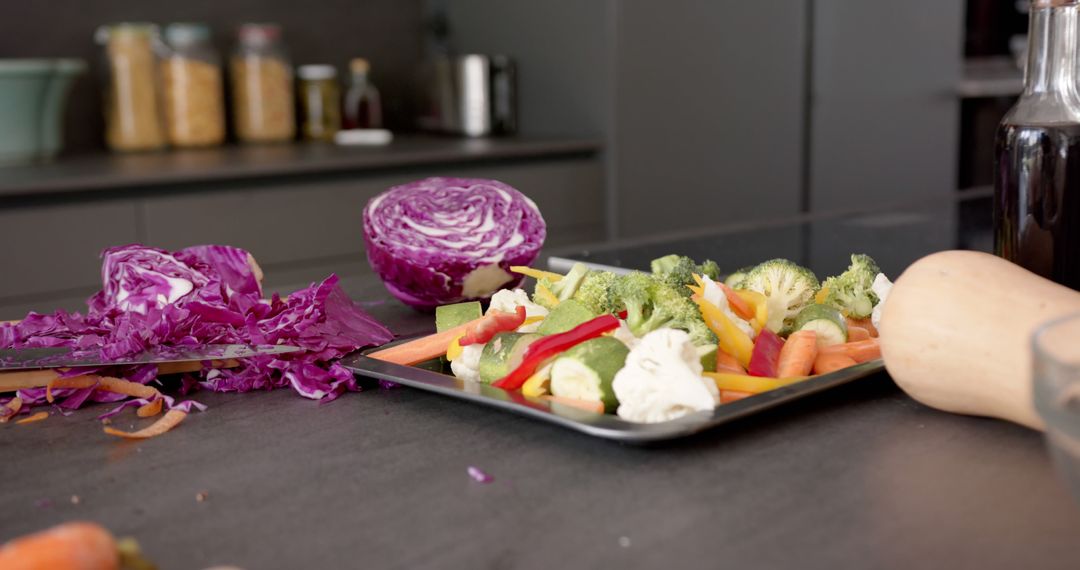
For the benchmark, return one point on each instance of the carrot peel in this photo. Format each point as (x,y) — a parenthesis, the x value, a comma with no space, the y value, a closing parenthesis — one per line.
(34,418)
(171,419)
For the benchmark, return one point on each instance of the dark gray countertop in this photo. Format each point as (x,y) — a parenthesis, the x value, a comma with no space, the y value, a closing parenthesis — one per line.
(120,171)
(858,477)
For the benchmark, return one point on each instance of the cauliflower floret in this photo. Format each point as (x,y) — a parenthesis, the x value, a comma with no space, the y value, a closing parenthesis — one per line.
(467,365)
(881,287)
(508,300)
(662,379)
(715,295)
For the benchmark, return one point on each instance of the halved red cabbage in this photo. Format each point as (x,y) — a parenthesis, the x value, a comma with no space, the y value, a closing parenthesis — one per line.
(204,295)
(445,240)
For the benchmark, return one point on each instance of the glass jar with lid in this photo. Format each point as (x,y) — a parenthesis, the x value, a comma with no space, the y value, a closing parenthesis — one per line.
(262,85)
(133,118)
(320,102)
(192,87)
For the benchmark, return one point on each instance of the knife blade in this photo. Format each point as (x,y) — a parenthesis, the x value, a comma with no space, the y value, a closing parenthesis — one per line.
(65,357)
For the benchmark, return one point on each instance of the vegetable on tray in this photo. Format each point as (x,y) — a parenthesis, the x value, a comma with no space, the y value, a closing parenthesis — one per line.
(655,346)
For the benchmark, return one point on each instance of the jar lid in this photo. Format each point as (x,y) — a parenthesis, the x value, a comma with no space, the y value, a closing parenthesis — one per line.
(253,33)
(316,72)
(124,30)
(186,33)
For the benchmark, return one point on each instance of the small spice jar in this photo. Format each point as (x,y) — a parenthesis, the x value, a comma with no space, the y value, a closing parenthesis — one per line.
(320,102)
(133,118)
(192,85)
(262,86)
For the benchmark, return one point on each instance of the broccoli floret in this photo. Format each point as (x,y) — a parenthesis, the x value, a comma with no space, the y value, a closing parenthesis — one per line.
(787,288)
(652,303)
(562,289)
(850,292)
(678,271)
(735,280)
(597,293)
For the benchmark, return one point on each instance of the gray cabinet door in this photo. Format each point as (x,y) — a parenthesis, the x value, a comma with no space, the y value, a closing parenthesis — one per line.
(709,112)
(884,111)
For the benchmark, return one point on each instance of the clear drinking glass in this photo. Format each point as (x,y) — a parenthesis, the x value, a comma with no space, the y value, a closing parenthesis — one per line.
(1056,361)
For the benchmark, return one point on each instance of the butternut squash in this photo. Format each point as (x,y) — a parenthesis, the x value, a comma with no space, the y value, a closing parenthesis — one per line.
(956,333)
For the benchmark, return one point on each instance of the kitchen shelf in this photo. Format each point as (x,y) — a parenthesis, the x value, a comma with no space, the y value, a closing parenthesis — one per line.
(104,172)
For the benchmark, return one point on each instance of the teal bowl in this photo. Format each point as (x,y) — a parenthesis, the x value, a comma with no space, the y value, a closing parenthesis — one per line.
(33,93)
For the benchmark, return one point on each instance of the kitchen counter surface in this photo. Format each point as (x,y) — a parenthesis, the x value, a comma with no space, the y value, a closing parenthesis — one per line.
(858,477)
(79,174)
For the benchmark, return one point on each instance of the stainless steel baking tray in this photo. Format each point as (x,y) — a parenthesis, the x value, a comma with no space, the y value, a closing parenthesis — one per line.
(607,426)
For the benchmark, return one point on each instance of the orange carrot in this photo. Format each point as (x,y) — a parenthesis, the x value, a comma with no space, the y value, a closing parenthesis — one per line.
(737,303)
(729,396)
(863,323)
(424,348)
(798,354)
(827,362)
(587,405)
(167,422)
(860,351)
(728,363)
(151,409)
(34,418)
(855,333)
(70,546)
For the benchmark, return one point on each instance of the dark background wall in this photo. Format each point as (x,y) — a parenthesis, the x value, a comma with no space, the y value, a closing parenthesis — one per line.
(387,32)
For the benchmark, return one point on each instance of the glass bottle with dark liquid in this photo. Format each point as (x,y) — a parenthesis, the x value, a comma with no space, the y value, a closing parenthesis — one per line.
(1037,178)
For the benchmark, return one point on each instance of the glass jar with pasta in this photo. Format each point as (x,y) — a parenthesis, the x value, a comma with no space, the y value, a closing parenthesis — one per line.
(133,119)
(192,87)
(262,86)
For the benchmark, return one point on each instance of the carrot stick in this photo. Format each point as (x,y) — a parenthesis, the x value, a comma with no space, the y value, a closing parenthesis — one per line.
(798,354)
(737,303)
(728,363)
(151,409)
(588,406)
(34,418)
(863,323)
(827,362)
(11,408)
(423,348)
(855,333)
(729,396)
(860,351)
(167,422)
(73,545)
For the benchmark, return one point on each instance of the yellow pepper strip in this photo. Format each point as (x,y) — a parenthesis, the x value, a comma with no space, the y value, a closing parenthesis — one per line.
(761,308)
(698,280)
(531,320)
(732,340)
(536,273)
(751,384)
(545,297)
(536,385)
(454,350)
(696,290)
(821,296)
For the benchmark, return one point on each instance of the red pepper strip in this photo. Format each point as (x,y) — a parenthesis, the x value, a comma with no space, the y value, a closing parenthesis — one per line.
(624,314)
(495,322)
(549,346)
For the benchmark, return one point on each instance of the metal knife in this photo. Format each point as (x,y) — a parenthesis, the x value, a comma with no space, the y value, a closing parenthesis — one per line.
(65,357)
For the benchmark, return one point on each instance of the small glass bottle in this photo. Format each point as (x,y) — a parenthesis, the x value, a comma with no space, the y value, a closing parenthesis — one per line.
(1037,170)
(363,109)
(320,115)
(192,86)
(133,118)
(262,86)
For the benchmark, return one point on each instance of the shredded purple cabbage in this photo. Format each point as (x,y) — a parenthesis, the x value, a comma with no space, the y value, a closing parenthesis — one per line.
(203,295)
